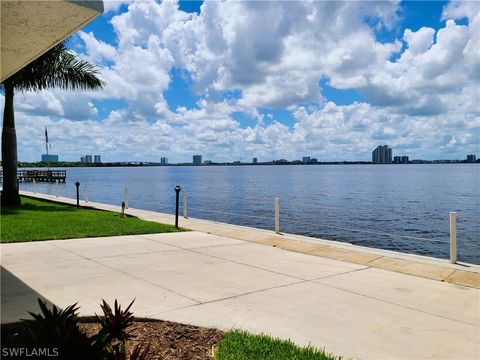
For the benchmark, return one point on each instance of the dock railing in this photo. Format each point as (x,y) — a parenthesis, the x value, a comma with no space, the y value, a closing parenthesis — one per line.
(39,175)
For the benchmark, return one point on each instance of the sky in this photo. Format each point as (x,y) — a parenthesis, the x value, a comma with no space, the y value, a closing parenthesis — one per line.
(233,80)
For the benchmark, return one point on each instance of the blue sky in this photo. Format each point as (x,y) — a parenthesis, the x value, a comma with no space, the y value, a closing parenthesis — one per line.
(413,14)
(330,80)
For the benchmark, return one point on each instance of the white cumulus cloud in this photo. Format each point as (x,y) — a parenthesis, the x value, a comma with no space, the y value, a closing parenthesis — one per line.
(420,90)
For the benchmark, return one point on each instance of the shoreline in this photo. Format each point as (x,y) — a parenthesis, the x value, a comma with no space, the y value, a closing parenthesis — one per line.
(462,273)
(150,164)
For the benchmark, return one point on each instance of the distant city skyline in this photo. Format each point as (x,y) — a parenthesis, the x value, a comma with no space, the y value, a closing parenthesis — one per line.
(400,73)
(382,154)
(388,157)
(96,159)
(306,160)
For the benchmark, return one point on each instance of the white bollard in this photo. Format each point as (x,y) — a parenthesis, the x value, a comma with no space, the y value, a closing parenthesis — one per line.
(125,197)
(453,237)
(34,186)
(86,192)
(277,215)
(57,188)
(185,205)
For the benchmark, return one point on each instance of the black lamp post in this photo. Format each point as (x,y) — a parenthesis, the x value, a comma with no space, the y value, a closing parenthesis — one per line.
(177,193)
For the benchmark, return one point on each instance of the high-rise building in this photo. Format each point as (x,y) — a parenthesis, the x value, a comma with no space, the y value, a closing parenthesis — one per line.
(306,159)
(400,160)
(86,159)
(97,159)
(471,158)
(382,155)
(49,158)
(197,159)
(163,161)
(254,161)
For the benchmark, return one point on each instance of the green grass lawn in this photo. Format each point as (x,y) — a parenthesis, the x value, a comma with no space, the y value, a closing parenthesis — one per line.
(43,220)
(240,345)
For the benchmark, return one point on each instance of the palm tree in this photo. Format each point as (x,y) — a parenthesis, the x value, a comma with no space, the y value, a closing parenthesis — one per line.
(56,68)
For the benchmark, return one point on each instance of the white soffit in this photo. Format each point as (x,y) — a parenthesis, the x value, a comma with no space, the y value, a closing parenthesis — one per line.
(30,28)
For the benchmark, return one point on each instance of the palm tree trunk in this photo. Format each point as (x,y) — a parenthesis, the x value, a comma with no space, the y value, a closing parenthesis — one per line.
(10,195)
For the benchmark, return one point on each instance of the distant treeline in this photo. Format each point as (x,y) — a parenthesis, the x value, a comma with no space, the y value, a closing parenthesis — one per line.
(66,164)
(42,164)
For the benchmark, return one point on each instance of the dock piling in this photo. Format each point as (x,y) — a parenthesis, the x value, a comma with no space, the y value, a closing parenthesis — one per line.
(86,192)
(277,215)
(57,190)
(453,237)
(34,186)
(185,204)
(125,197)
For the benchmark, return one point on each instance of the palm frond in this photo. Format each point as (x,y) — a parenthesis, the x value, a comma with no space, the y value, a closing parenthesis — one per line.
(57,68)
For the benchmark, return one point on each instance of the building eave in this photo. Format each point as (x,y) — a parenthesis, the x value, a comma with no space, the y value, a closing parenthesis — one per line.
(31,28)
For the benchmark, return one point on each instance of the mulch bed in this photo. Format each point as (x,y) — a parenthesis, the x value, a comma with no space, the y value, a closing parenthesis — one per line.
(168,340)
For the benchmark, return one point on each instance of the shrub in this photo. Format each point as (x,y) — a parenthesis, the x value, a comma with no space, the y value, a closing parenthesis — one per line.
(58,331)
(115,323)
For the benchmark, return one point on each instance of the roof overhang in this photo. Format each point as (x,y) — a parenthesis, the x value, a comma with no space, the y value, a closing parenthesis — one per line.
(30,28)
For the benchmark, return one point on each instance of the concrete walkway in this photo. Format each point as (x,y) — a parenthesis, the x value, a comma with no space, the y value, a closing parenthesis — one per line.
(350,308)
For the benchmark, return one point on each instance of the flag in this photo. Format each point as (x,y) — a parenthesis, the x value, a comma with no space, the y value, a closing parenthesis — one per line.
(46,139)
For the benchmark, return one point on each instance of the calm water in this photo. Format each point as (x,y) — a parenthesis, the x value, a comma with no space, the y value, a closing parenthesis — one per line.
(357,204)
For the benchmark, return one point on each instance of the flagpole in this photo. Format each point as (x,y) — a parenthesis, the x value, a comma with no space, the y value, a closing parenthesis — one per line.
(46,147)
(48,158)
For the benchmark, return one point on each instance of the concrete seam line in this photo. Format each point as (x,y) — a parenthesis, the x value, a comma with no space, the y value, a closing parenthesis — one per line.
(232,261)
(144,236)
(240,263)
(136,254)
(154,315)
(398,305)
(368,262)
(342,273)
(216,246)
(449,275)
(134,277)
(246,293)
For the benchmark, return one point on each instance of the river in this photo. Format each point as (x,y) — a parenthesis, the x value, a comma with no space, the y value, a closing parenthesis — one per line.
(397,207)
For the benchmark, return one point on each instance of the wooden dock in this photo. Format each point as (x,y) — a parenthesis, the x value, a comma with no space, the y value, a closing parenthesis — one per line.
(40,175)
